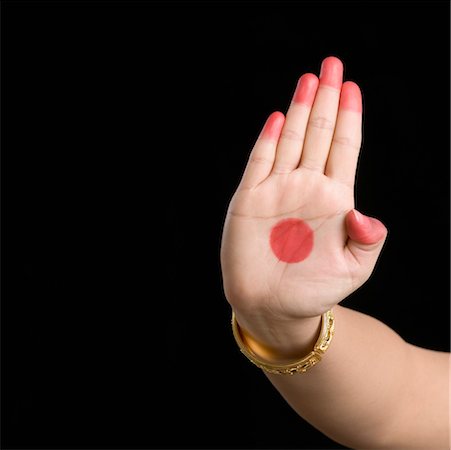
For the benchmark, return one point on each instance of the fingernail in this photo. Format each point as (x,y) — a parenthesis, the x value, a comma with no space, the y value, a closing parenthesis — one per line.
(306,89)
(331,73)
(361,219)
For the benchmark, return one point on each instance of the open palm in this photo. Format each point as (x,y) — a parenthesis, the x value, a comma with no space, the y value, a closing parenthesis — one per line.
(293,245)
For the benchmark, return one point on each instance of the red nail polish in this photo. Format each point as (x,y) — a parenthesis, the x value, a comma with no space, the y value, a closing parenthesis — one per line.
(361,219)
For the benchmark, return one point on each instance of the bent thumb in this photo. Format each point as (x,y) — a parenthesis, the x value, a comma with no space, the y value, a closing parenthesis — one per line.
(366,237)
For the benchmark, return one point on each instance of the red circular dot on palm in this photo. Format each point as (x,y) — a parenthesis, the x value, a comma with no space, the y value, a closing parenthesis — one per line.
(291,240)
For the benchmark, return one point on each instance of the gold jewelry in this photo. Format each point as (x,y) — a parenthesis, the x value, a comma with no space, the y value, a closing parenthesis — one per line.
(302,365)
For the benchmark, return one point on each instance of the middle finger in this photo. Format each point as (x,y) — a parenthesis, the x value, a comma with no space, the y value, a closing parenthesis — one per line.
(323,117)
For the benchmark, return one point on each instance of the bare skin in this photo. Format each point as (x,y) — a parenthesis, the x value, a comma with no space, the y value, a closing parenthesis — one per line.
(372,389)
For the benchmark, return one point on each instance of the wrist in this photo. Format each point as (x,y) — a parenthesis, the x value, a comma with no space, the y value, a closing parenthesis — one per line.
(279,341)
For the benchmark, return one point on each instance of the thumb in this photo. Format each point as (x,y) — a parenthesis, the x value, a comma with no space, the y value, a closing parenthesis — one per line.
(366,237)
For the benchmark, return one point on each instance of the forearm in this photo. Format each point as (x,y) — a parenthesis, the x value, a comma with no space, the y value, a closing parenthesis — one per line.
(356,395)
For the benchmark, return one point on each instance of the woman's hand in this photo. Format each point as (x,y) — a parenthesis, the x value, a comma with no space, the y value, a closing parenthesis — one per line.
(293,245)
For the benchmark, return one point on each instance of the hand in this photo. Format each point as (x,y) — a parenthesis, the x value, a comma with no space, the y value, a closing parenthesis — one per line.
(293,246)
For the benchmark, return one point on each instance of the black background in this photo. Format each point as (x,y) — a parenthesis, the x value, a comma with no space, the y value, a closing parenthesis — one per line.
(126,127)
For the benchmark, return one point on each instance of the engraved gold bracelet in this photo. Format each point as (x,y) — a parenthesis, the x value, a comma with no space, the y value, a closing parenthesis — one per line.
(300,366)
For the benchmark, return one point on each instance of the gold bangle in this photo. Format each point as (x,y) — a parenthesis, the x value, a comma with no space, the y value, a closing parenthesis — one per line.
(300,366)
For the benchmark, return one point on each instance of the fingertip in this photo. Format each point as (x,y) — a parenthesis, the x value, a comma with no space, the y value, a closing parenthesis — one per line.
(273,126)
(364,229)
(278,115)
(358,217)
(306,89)
(277,119)
(333,61)
(309,78)
(351,84)
(331,73)
(351,97)
(379,229)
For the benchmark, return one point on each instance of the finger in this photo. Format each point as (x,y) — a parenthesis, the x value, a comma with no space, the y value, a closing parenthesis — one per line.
(261,159)
(367,236)
(347,139)
(322,119)
(293,132)
(364,230)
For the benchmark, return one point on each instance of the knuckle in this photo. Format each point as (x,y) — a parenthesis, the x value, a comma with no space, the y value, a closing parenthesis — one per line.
(322,123)
(260,160)
(291,135)
(346,142)
(311,164)
(282,169)
(283,166)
